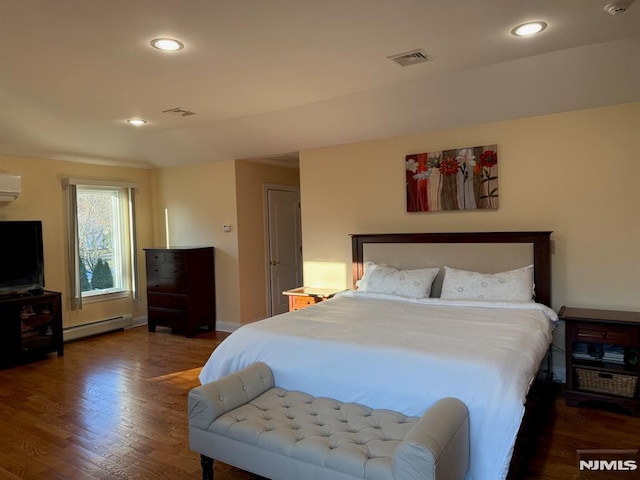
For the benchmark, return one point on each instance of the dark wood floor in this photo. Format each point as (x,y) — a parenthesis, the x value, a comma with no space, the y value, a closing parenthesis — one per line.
(567,429)
(114,407)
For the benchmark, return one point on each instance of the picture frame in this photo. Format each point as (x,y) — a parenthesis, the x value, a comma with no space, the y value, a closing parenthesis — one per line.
(455,179)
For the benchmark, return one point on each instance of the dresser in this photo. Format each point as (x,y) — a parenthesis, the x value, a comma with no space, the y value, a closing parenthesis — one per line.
(181,288)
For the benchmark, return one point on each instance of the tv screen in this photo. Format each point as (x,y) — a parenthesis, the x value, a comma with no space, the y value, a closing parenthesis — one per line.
(21,256)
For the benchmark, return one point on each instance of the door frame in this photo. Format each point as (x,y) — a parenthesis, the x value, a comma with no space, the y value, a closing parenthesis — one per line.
(265,194)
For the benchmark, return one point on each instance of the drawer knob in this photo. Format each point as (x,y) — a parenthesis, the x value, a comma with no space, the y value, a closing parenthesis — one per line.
(604,334)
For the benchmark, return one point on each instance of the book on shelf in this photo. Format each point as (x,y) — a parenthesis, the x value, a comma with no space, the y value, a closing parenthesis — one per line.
(585,356)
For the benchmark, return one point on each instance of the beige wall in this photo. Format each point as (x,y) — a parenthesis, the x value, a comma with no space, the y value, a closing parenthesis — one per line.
(250,180)
(572,173)
(42,198)
(200,199)
(575,173)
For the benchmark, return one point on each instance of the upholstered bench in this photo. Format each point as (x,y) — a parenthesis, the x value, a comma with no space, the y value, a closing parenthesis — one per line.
(245,421)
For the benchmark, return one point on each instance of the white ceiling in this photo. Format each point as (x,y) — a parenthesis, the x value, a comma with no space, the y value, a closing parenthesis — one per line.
(271,77)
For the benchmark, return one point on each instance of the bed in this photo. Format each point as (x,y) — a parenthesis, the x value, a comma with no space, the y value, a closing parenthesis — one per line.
(385,350)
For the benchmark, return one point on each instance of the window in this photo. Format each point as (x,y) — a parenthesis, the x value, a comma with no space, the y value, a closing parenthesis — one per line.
(103,261)
(101,240)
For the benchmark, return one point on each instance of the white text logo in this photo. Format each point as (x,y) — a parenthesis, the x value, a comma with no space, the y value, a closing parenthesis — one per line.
(609,465)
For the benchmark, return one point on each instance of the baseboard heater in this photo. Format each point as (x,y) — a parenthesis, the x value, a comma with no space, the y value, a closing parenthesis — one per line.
(98,327)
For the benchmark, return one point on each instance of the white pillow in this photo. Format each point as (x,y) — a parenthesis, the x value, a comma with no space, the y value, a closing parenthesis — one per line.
(405,283)
(511,286)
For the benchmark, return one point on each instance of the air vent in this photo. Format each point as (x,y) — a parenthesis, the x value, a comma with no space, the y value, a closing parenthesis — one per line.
(179,112)
(411,58)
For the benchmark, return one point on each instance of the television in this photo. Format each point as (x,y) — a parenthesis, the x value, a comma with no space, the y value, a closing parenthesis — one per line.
(21,257)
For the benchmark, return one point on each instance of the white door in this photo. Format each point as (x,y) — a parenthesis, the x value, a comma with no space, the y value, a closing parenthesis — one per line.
(284,248)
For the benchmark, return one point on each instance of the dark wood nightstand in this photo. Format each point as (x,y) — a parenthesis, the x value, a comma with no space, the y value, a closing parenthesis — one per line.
(602,349)
(305,296)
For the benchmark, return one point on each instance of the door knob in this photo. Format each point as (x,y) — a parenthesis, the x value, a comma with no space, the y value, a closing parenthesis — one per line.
(273,263)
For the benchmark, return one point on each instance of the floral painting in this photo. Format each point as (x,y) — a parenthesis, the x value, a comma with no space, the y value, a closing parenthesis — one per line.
(459,179)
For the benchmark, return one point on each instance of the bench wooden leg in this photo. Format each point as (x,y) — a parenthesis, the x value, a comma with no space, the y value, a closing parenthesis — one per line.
(207,467)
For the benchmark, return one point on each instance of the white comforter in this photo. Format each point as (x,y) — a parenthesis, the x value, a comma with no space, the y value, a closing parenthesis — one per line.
(404,355)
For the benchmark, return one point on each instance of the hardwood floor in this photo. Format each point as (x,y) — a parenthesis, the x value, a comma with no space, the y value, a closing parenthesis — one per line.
(114,407)
(567,429)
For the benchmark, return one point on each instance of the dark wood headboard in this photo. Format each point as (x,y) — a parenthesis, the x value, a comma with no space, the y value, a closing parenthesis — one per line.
(541,242)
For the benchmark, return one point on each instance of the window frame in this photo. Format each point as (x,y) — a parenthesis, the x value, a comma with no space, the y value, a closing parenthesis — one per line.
(129,275)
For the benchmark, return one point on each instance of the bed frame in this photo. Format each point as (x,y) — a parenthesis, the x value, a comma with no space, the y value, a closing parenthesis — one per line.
(495,250)
(539,241)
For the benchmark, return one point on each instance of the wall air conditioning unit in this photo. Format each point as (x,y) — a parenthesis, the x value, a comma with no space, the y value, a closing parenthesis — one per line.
(9,187)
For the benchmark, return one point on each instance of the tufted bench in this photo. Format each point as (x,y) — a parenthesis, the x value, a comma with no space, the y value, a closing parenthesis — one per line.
(245,421)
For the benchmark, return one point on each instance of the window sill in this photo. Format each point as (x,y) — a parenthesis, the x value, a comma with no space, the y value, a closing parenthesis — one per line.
(91,297)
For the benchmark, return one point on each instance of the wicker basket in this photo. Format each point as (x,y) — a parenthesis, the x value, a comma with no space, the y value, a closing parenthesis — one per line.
(604,382)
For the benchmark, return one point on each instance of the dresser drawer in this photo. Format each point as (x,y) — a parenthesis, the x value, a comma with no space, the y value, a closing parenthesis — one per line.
(603,333)
(159,257)
(296,302)
(167,284)
(168,318)
(166,270)
(166,300)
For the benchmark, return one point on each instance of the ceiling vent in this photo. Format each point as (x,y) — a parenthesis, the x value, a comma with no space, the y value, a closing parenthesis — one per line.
(179,112)
(411,58)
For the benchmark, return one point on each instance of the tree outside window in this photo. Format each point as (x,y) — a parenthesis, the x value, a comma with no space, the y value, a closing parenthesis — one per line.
(101,239)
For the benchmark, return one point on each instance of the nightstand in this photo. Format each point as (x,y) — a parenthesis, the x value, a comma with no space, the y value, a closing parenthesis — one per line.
(602,348)
(305,296)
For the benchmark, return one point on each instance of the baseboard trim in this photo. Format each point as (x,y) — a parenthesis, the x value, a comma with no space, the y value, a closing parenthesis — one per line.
(96,328)
(138,322)
(228,327)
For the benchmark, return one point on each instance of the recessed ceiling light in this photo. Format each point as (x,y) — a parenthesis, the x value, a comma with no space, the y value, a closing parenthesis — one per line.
(167,44)
(529,28)
(136,122)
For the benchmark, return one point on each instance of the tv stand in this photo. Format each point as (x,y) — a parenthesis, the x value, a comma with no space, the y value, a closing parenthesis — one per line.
(31,327)
(21,293)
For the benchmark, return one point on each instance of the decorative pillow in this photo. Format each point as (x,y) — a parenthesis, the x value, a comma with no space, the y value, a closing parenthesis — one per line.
(406,283)
(514,285)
